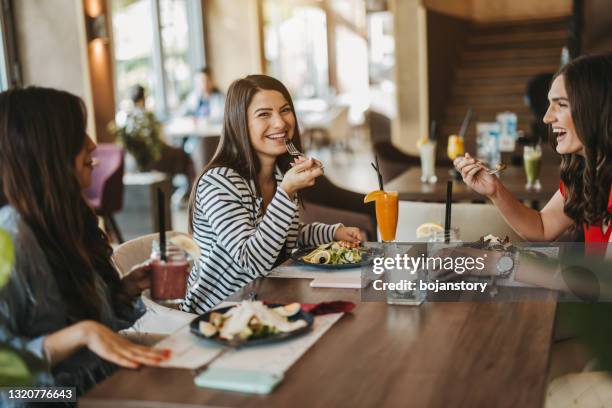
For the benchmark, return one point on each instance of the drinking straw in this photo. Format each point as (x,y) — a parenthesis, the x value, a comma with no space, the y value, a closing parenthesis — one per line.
(161,214)
(466,122)
(377,168)
(447,217)
(432,130)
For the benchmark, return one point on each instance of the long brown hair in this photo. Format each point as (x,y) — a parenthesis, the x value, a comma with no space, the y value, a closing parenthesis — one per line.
(42,131)
(587,179)
(235,150)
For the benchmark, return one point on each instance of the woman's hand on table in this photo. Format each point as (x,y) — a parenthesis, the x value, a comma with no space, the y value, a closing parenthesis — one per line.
(103,342)
(138,279)
(475,175)
(117,349)
(350,234)
(301,175)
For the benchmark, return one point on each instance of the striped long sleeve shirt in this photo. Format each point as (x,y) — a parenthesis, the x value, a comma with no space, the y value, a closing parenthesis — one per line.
(238,241)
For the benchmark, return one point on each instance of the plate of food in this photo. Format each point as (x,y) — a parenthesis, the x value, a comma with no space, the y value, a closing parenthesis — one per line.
(334,255)
(251,323)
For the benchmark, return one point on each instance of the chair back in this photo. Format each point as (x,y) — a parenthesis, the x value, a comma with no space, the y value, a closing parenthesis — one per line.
(105,194)
(473,220)
(380,127)
(339,128)
(136,251)
(326,202)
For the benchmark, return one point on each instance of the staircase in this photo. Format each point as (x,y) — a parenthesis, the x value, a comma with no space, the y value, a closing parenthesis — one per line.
(495,66)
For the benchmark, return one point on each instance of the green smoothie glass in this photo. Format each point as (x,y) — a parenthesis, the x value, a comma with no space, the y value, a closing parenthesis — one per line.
(532,160)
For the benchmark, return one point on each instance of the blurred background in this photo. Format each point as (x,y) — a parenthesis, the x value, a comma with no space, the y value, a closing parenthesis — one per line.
(367,77)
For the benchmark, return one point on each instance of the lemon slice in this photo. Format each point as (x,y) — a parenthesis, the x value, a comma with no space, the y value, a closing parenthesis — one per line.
(373,195)
(428,229)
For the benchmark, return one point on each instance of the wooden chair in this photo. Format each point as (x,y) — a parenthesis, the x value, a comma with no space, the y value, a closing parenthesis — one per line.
(105,194)
(137,250)
(325,202)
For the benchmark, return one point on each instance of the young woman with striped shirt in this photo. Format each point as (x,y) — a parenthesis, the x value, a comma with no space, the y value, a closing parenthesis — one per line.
(244,210)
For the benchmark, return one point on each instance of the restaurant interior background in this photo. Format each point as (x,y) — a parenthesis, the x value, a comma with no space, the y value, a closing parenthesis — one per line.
(367,76)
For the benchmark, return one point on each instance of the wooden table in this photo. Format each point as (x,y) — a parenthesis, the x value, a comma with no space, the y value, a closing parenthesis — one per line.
(460,354)
(181,127)
(139,215)
(410,188)
(204,134)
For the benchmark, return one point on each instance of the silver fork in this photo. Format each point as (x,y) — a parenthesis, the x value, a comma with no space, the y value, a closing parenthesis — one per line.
(293,151)
(498,169)
(230,345)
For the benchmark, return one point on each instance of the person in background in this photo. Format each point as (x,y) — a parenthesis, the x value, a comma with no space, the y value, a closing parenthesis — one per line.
(206,100)
(64,301)
(243,211)
(173,160)
(580,120)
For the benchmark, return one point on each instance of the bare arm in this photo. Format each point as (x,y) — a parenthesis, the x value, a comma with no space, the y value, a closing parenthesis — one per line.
(532,225)
(102,341)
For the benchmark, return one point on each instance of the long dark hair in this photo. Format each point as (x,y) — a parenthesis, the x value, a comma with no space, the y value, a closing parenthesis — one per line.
(235,150)
(587,179)
(42,131)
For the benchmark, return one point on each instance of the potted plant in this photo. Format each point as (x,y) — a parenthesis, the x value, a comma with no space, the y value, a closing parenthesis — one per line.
(139,133)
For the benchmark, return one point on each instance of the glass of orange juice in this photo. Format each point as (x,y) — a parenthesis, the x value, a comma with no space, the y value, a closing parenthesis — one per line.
(386,215)
(386,212)
(453,150)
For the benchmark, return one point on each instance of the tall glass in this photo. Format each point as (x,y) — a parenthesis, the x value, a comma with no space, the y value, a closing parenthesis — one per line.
(427,152)
(169,277)
(532,161)
(455,149)
(386,215)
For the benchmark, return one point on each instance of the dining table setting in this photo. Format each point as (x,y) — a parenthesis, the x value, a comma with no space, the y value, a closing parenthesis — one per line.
(340,343)
(358,351)
(317,330)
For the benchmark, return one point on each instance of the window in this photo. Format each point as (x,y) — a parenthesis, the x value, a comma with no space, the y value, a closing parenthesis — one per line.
(296,47)
(9,68)
(382,46)
(3,63)
(158,44)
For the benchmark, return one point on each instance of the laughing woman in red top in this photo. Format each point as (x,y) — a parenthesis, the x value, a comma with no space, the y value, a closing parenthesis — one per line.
(580,117)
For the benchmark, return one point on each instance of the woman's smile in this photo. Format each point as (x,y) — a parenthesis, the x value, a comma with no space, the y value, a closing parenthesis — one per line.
(271,121)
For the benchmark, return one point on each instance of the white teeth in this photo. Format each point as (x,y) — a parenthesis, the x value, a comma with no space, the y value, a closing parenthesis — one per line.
(558,130)
(276,136)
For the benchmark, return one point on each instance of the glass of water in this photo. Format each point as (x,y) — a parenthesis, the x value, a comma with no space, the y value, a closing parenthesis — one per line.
(406,283)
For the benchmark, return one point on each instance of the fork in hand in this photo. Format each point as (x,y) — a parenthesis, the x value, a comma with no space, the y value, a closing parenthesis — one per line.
(293,151)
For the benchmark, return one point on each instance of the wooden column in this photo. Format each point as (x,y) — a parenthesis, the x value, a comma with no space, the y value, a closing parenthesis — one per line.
(100,62)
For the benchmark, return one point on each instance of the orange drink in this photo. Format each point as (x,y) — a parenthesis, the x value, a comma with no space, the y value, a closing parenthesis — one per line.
(386,212)
(455,147)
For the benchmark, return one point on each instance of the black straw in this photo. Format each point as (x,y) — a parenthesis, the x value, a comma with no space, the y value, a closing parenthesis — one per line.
(466,123)
(432,130)
(377,168)
(161,213)
(447,217)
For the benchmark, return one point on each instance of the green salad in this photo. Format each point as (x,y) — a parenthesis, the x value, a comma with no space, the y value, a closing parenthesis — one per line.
(335,253)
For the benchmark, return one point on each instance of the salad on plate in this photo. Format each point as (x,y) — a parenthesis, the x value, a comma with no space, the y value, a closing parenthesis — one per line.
(335,253)
(251,320)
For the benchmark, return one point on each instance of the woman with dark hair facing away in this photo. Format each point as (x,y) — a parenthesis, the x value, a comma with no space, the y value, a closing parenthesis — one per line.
(580,120)
(64,301)
(244,210)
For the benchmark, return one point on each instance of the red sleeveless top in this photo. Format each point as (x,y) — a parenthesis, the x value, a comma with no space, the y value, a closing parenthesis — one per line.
(594,233)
